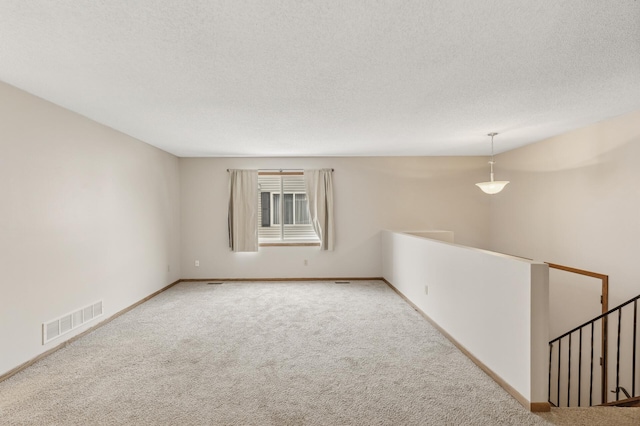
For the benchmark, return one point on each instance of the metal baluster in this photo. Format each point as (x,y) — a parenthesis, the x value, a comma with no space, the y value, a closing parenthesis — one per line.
(569,375)
(635,334)
(559,352)
(591,372)
(580,368)
(549,382)
(605,358)
(618,356)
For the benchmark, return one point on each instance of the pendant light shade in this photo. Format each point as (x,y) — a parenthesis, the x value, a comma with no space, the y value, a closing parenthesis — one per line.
(492,186)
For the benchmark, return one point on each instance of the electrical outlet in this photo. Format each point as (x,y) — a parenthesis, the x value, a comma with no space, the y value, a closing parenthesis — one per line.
(426,289)
(197,263)
(306,262)
(168,268)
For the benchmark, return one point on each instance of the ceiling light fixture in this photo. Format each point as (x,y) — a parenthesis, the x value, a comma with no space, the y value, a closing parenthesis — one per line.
(493,186)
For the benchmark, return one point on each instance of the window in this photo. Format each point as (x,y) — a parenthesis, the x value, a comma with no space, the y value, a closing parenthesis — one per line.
(283,210)
(295,209)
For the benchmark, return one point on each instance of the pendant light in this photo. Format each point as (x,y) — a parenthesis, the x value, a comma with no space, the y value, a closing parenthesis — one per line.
(493,186)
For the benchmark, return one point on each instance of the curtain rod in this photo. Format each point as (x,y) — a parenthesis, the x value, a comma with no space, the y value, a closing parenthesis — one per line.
(281,170)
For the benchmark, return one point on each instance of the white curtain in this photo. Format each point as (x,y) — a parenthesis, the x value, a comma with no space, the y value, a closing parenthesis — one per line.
(319,187)
(243,210)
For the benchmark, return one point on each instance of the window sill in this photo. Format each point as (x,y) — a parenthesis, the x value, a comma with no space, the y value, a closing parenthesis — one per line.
(289,244)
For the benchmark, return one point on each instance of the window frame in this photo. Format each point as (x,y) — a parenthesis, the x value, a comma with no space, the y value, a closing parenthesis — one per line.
(284,243)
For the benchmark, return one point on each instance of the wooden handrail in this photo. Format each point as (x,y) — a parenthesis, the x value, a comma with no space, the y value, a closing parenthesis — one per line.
(604,278)
(577,271)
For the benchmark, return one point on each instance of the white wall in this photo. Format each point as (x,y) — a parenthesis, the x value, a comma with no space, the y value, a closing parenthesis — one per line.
(371,194)
(575,200)
(495,306)
(87,213)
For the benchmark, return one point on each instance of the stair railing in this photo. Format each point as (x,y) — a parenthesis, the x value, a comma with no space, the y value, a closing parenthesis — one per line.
(604,301)
(559,358)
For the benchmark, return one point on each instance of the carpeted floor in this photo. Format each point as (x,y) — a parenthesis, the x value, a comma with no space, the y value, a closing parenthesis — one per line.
(264,354)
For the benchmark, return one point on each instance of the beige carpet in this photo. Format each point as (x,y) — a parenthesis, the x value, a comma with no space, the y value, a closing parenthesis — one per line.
(595,416)
(264,354)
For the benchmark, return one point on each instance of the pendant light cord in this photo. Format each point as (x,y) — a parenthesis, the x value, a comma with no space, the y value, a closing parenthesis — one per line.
(492,162)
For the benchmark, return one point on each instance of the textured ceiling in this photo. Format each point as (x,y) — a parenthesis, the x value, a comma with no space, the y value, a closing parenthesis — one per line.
(311,78)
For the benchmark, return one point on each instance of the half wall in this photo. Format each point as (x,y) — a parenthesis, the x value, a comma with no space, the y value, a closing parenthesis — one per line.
(493,306)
